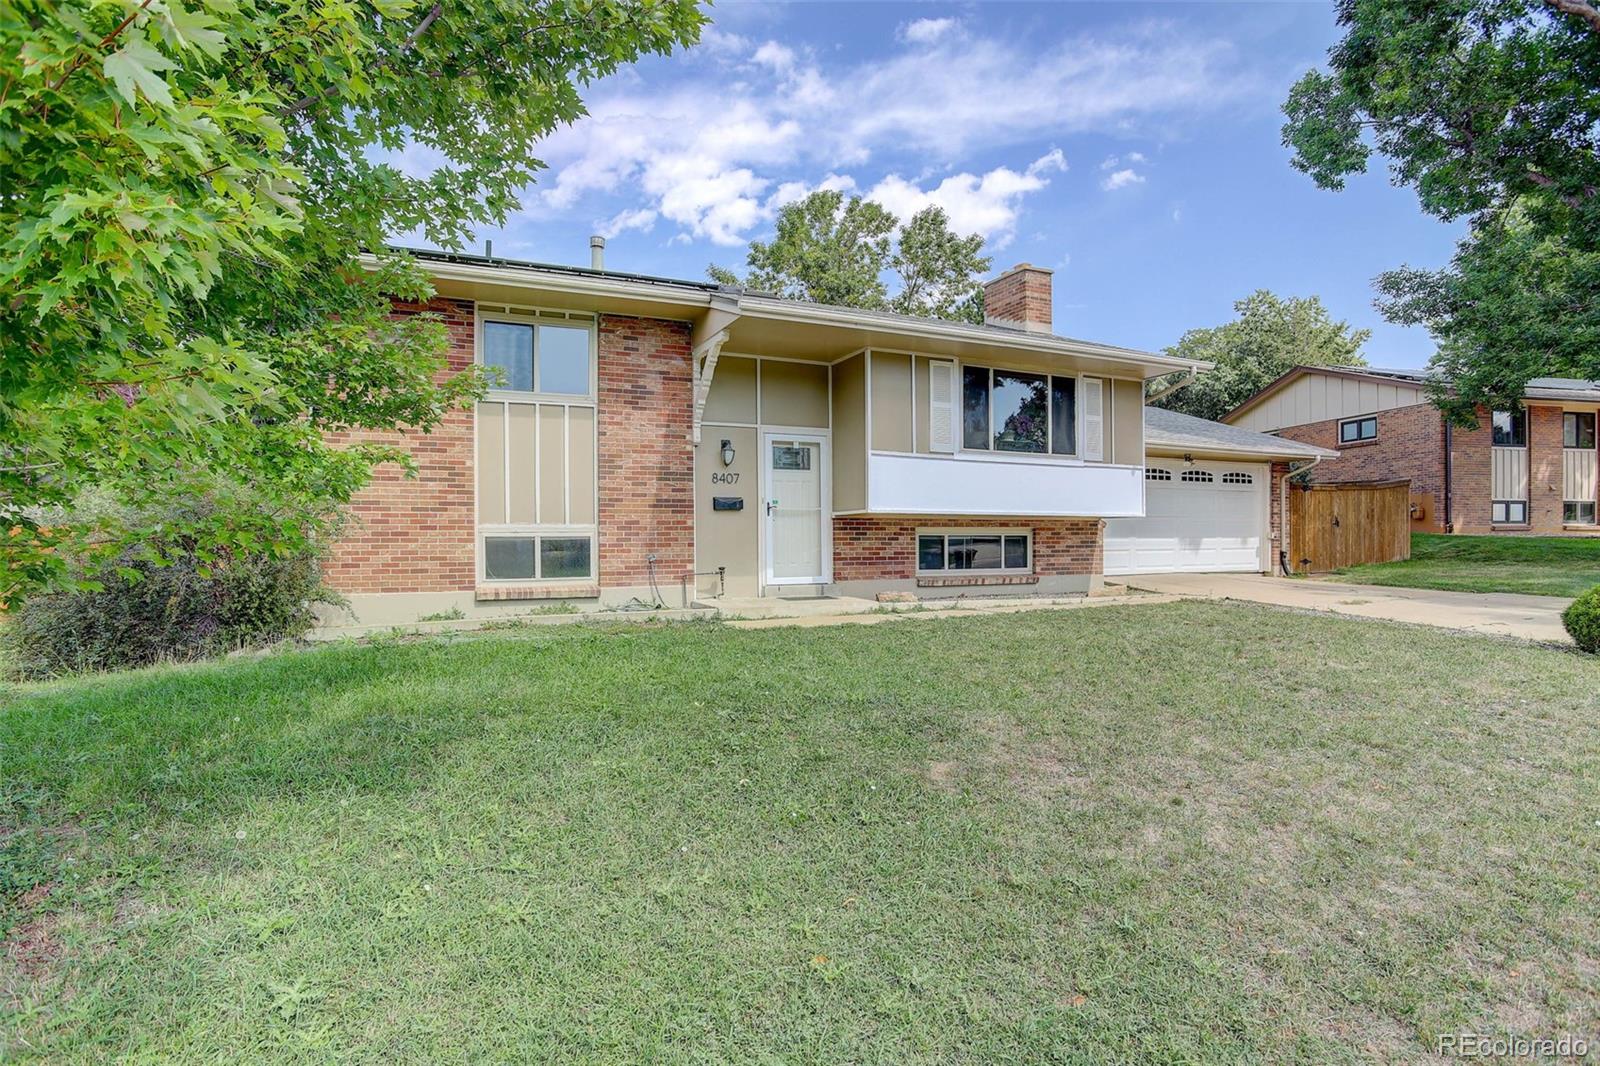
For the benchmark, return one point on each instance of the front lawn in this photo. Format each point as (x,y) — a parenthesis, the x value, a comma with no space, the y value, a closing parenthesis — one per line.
(1177,832)
(1543,566)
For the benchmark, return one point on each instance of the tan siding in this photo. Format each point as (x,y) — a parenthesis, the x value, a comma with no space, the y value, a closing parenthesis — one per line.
(1319,397)
(919,404)
(522,452)
(552,465)
(794,394)
(850,435)
(581,465)
(728,538)
(1508,478)
(733,391)
(1578,473)
(1127,422)
(891,402)
(491,463)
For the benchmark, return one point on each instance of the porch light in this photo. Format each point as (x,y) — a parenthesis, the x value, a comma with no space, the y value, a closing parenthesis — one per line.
(727,452)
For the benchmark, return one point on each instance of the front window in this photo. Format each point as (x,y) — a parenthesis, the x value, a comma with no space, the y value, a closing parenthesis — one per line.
(539,357)
(1511,429)
(1508,512)
(1577,429)
(1578,512)
(537,558)
(974,551)
(1355,430)
(1016,411)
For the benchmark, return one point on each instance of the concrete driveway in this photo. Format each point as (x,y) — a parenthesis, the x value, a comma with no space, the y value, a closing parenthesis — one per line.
(1504,614)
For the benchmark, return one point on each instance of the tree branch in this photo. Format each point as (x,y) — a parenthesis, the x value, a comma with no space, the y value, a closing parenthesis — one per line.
(310,99)
(1587,12)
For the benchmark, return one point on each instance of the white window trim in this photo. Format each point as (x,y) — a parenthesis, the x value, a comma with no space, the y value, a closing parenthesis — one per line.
(537,532)
(516,315)
(973,531)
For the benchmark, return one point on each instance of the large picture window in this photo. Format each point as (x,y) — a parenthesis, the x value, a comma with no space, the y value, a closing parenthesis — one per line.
(1510,429)
(975,551)
(539,357)
(1017,411)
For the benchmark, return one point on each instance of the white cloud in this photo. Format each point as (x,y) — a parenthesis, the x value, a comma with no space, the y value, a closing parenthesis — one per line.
(926,31)
(1121,179)
(986,204)
(640,219)
(717,150)
(1112,162)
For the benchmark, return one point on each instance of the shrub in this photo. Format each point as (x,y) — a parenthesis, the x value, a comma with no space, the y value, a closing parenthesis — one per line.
(1582,619)
(149,613)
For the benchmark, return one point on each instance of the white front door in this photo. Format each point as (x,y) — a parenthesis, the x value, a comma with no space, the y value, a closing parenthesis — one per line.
(796,509)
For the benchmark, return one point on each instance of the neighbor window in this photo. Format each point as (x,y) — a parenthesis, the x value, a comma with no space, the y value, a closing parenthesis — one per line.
(1509,512)
(1577,429)
(1511,429)
(1015,411)
(538,357)
(1355,430)
(1578,512)
(995,551)
(537,558)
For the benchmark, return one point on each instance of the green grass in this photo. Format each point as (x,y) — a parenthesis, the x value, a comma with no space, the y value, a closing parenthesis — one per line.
(1542,566)
(1189,832)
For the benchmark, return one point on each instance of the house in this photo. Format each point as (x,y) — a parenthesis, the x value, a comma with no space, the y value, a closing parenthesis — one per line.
(1531,470)
(660,441)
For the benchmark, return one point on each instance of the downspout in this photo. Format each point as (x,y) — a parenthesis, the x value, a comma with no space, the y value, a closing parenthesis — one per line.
(1283,512)
(1449,481)
(1188,376)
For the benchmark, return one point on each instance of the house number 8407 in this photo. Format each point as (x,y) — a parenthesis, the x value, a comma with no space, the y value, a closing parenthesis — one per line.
(719,477)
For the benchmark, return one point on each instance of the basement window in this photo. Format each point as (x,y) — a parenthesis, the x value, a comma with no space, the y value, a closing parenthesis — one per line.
(1356,430)
(1509,512)
(974,551)
(538,558)
(1578,512)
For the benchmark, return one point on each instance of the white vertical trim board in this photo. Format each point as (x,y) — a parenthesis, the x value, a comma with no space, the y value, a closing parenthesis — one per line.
(1091,419)
(941,407)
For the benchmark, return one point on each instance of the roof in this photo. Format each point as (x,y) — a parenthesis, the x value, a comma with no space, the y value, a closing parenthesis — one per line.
(1171,429)
(1576,389)
(753,302)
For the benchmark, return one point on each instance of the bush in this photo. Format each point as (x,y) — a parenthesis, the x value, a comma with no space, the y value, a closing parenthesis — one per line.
(1582,619)
(150,613)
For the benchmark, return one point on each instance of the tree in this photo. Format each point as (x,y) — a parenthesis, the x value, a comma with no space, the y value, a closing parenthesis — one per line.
(1490,109)
(1270,336)
(828,249)
(188,188)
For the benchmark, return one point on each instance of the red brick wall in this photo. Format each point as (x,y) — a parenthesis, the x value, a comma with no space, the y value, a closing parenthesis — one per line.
(1470,477)
(1546,485)
(1409,445)
(1275,507)
(884,547)
(416,534)
(646,461)
(1020,297)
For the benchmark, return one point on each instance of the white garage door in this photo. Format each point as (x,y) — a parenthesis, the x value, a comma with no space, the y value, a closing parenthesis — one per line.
(1199,517)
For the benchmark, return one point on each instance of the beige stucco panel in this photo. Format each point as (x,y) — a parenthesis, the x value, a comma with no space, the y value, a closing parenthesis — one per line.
(522,452)
(552,468)
(793,394)
(891,402)
(491,463)
(728,538)
(919,404)
(733,391)
(1127,422)
(850,434)
(581,465)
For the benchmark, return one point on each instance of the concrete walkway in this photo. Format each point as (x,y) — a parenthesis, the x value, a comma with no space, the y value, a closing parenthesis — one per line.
(1503,614)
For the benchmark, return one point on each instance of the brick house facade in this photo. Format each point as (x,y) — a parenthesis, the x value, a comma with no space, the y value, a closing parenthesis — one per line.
(1409,446)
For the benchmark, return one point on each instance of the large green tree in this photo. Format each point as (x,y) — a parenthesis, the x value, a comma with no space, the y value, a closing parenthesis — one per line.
(834,250)
(1490,109)
(1270,335)
(186,191)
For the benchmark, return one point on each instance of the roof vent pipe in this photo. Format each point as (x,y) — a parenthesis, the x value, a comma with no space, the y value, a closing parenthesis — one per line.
(597,253)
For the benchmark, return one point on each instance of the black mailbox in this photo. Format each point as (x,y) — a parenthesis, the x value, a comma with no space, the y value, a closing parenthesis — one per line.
(727,503)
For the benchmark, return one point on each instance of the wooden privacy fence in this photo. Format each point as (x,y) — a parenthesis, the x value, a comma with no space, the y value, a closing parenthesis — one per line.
(1333,526)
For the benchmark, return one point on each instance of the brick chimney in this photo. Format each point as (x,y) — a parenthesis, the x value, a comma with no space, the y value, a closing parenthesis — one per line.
(1019,298)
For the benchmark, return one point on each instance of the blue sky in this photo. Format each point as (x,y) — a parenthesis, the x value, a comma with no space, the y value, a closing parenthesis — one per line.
(1134,148)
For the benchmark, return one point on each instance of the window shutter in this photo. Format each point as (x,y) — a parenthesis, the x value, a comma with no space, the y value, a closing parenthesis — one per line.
(1092,417)
(941,406)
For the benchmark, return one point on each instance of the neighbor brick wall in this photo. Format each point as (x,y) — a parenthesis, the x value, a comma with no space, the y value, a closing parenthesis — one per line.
(646,461)
(1409,446)
(1470,477)
(416,534)
(1275,508)
(1546,485)
(884,547)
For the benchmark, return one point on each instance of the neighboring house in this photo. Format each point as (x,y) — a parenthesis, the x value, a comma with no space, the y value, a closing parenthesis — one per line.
(1531,470)
(668,441)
